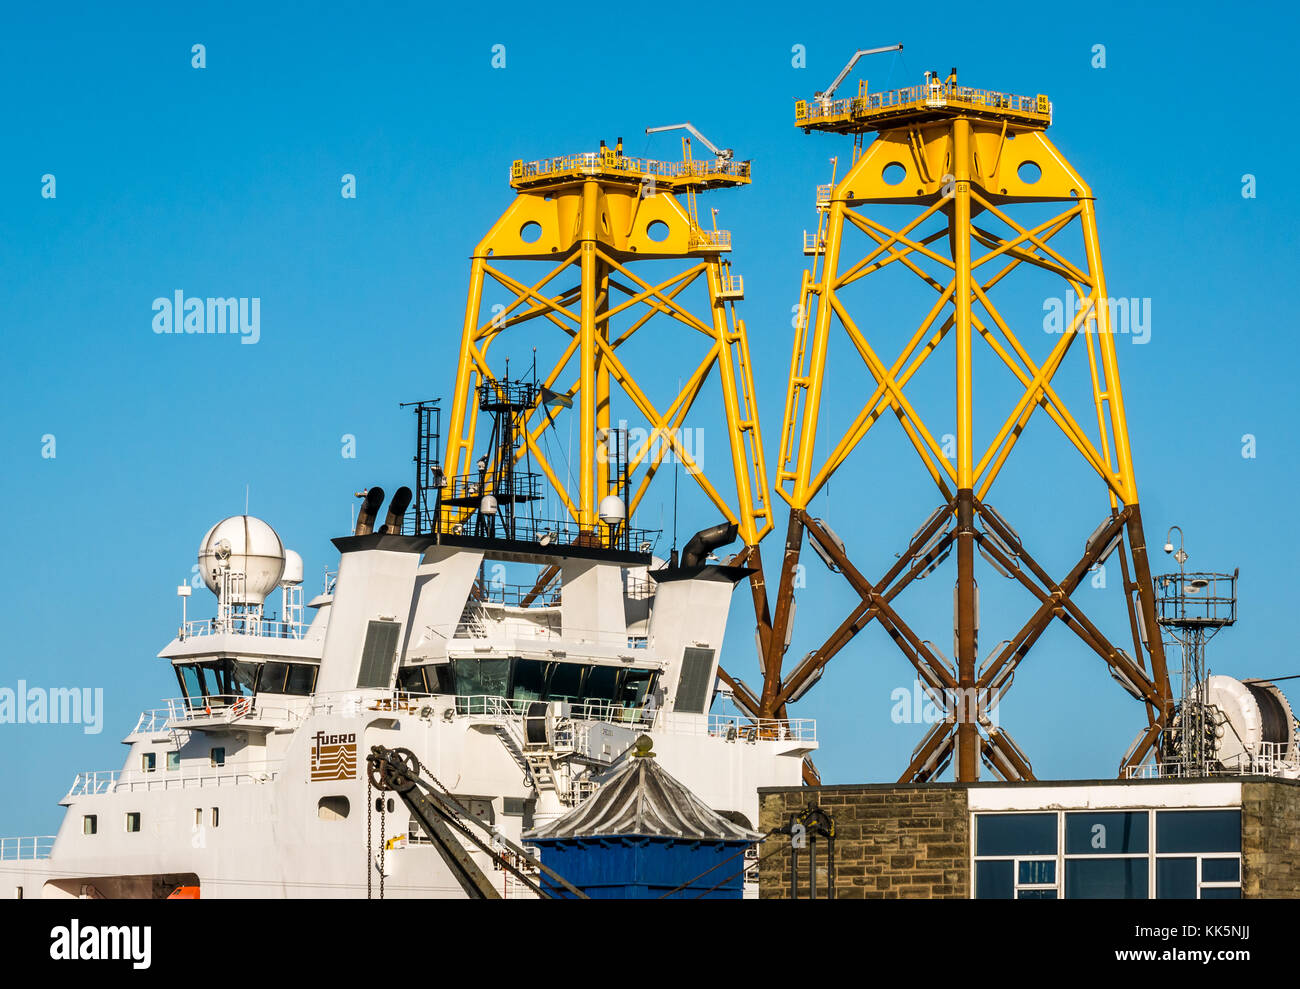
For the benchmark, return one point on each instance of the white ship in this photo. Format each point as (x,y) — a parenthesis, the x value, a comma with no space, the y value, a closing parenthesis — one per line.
(517,697)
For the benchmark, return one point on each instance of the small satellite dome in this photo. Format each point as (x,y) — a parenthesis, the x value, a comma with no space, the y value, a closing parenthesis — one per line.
(488,505)
(246,545)
(611,509)
(292,575)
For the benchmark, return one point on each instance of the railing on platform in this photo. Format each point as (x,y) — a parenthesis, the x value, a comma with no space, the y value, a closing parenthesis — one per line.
(26,848)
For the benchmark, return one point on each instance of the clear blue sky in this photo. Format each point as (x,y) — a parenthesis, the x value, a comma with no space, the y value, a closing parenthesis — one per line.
(226,180)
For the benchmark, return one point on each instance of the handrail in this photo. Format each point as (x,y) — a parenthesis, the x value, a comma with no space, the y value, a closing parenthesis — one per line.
(26,848)
(935,94)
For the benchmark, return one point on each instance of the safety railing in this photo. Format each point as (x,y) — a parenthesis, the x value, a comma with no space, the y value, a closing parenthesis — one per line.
(731,286)
(26,848)
(699,239)
(594,162)
(117,781)
(242,625)
(923,95)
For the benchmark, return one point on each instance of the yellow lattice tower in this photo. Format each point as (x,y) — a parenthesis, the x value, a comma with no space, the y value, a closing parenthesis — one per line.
(965,160)
(589,223)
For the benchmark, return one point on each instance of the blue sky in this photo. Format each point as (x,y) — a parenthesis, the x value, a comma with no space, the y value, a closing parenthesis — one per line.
(226,180)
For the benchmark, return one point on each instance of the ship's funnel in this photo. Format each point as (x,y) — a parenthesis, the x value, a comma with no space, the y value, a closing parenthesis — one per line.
(369,511)
(397,511)
(697,549)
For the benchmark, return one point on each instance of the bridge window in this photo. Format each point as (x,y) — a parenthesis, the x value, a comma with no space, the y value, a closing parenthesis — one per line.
(298,679)
(133,821)
(148,762)
(89,824)
(535,679)
(216,682)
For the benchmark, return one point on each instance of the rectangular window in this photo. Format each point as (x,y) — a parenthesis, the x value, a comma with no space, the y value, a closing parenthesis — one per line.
(1197,831)
(216,817)
(1106,833)
(693,687)
(133,821)
(218,758)
(89,824)
(378,654)
(995,880)
(173,761)
(148,762)
(1111,854)
(302,680)
(1015,834)
(1106,879)
(198,818)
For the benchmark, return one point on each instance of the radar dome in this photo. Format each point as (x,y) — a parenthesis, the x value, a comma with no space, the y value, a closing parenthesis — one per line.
(246,545)
(292,569)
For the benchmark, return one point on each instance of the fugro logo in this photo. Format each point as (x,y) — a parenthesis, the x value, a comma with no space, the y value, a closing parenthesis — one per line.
(333,757)
(234,316)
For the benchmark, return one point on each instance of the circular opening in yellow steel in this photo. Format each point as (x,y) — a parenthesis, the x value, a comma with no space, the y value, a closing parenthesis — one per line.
(893,173)
(1029,172)
(657,231)
(530,232)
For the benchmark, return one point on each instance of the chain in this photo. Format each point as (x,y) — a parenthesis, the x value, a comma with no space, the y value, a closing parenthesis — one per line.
(383,844)
(370,868)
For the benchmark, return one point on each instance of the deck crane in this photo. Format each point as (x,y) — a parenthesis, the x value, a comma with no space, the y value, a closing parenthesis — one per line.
(724,154)
(442,818)
(828,93)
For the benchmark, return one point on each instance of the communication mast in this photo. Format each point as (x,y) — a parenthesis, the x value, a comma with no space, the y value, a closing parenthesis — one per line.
(1195,607)
(601,253)
(973,170)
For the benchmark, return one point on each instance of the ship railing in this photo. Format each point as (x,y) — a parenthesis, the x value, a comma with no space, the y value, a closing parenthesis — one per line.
(26,848)
(738,728)
(242,625)
(493,706)
(119,781)
(223,708)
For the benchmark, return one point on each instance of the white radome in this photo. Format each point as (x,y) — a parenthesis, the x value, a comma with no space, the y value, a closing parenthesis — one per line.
(292,569)
(255,551)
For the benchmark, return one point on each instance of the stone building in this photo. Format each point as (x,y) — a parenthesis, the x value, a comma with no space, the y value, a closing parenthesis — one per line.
(1207,838)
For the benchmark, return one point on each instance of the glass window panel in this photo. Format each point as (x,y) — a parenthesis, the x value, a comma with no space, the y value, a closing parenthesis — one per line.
(482,676)
(173,761)
(601,683)
(1106,879)
(1015,834)
(636,684)
(530,680)
(566,681)
(243,676)
(271,680)
(1198,831)
(301,680)
(1036,894)
(1176,879)
(1037,872)
(1111,833)
(193,685)
(1221,893)
(1220,870)
(993,880)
